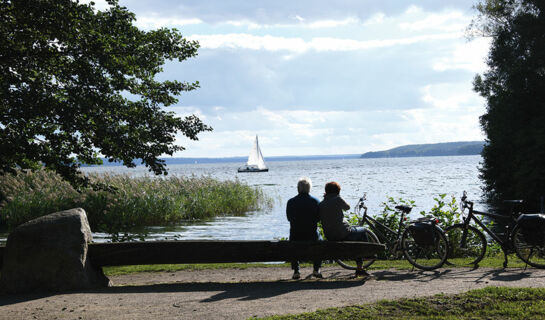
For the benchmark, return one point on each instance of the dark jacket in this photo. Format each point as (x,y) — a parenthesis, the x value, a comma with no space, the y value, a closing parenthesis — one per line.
(302,213)
(332,217)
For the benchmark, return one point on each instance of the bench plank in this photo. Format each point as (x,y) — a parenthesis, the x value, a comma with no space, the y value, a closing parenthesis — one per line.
(180,252)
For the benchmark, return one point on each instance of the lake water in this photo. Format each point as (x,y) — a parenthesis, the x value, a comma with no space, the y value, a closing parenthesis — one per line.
(419,179)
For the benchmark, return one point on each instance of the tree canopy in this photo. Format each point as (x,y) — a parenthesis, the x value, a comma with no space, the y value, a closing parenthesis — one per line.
(77,83)
(514,88)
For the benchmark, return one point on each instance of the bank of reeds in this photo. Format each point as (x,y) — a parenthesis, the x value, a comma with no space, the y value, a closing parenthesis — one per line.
(137,201)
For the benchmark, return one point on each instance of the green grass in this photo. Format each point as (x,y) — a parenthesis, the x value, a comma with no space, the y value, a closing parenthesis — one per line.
(137,202)
(490,262)
(488,303)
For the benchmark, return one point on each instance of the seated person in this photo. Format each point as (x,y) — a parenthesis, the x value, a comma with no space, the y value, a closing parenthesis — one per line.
(302,213)
(332,217)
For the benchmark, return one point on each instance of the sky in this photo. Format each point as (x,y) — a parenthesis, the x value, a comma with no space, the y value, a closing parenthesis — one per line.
(314,77)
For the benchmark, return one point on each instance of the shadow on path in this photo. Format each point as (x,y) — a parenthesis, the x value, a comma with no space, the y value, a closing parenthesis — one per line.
(240,290)
(247,291)
(471,275)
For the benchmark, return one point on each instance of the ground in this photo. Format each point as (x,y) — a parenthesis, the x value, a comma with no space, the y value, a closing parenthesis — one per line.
(253,292)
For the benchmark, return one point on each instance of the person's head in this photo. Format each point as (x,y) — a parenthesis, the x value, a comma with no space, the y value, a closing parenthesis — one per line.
(332,188)
(303,185)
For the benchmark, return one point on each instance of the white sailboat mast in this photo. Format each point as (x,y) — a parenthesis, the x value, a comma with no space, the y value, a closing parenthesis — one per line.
(256,157)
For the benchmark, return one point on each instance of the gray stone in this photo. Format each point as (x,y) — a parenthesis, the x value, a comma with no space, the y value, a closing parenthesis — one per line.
(50,254)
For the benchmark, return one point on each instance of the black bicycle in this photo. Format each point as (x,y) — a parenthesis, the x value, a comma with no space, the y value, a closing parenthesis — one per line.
(422,242)
(524,234)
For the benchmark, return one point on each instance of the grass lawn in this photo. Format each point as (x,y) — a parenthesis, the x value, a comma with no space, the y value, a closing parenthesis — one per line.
(488,303)
(490,262)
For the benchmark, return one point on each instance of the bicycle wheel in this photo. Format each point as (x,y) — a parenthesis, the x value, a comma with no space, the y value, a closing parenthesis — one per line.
(532,254)
(351,265)
(425,257)
(468,252)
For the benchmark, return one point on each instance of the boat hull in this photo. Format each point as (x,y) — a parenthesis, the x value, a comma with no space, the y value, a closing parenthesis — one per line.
(253,170)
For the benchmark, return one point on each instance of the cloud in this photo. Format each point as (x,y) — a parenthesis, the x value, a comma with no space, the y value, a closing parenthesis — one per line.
(155,21)
(265,12)
(447,21)
(467,56)
(303,132)
(298,45)
(322,77)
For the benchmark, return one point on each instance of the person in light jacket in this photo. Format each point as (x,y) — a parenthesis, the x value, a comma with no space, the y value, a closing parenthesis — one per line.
(335,228)
(302,213)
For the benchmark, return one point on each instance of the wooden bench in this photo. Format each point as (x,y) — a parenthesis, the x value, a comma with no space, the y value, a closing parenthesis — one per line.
(214,251)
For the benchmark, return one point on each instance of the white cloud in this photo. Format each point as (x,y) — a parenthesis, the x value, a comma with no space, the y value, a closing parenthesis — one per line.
(449,97)
(318,82)
(298,45)
(154,22)
(451,21)
(248,41)
(451,114)
(304,132)
(376,19)
(468,56)
(321,24)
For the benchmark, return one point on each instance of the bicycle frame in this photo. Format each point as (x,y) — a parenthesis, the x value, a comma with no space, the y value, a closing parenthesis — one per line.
(391,242)
(505,242)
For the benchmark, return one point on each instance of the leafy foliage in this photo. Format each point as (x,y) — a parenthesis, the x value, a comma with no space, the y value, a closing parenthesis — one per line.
(76,82)
(446,212)
(390,216)
(514,89)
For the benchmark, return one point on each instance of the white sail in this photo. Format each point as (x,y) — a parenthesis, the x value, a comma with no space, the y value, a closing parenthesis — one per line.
(255,159)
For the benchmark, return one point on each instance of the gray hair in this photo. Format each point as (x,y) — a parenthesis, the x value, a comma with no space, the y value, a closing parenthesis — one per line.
(304,185)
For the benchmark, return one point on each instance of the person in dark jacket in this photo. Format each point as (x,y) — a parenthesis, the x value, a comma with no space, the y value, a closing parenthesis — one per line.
(332,217)
(302,213)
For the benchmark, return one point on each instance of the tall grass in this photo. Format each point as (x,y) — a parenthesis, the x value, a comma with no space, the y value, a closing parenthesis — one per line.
(136,202)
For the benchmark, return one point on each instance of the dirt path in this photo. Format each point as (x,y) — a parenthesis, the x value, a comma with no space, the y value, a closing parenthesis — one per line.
(241,294)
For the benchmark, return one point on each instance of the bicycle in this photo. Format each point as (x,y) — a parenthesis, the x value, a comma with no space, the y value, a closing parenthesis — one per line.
(524,235)
(424,251)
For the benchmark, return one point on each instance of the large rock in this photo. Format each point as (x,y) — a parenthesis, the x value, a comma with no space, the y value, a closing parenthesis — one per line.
(50,254)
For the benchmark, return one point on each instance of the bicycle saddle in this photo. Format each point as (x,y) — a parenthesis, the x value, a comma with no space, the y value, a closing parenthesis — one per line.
(405,209)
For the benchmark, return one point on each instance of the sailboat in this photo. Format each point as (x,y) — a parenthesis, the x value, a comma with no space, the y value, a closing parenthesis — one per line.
(255,160)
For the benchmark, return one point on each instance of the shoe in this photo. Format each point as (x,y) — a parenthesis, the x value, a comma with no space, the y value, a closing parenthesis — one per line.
(317,274)
(296,275)
(362,273)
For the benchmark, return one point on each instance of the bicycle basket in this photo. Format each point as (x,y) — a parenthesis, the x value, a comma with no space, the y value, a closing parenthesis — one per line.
(533,228)
(423,233)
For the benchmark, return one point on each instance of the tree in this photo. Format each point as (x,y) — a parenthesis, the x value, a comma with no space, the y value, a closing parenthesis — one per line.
(77,83)
(514,88)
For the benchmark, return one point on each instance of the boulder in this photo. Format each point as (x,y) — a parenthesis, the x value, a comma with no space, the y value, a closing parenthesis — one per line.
(50,254)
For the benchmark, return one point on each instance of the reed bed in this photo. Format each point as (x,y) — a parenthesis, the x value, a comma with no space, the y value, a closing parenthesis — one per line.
(136,201)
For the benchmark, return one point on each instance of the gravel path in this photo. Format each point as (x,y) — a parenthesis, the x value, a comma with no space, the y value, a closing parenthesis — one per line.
(241,294)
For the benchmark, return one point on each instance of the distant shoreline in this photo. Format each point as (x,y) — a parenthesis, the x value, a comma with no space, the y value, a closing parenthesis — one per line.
(174,161)
(461,148)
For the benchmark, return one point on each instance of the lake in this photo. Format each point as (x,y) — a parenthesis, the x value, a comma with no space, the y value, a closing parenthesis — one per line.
(419,179)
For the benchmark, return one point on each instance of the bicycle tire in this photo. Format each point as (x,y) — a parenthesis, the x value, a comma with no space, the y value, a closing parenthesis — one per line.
(533,255)
(475,245)
(425,257)
(372,238)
